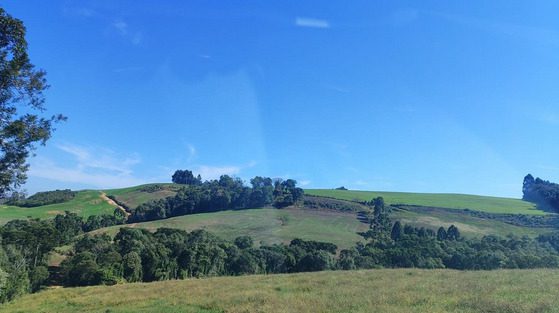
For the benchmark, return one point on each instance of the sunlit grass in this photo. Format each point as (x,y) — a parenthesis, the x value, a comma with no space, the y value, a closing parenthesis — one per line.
(441,200)
(85,203)
(396,291)
(268,226)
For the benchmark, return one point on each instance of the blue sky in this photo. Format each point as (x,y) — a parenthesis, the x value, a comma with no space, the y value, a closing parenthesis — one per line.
(423,96)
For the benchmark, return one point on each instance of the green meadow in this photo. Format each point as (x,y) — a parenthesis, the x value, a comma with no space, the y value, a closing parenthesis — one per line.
(387,290)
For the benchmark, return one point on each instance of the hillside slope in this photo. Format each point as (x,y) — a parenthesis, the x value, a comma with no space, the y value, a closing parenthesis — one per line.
(440,200)
(269,226)
(403,290)
(85,203)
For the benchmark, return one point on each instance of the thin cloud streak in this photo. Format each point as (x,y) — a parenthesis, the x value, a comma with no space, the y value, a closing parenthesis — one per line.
(311,22)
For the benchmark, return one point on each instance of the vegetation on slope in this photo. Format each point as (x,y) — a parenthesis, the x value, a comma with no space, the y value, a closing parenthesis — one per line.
(85,203)
(440,200)
(470,226)
(44,198)
(269,226)
(403,290)
(542,192)
(132,197)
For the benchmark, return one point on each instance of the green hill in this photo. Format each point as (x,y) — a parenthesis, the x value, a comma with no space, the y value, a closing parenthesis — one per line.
(85,203)
(269,226)
(440,200)
(136,195)
(91,202)
(402,290)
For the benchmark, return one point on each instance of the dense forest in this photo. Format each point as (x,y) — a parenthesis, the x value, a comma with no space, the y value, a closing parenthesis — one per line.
(542,192)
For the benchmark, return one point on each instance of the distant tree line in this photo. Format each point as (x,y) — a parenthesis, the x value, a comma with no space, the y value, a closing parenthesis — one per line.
(138,255)
(396,245)
(542,192)
(225,193)
(42,198)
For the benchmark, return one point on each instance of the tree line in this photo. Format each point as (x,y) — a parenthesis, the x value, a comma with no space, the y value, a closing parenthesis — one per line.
(225,193)
(41,198)
(137,255)
(542,192)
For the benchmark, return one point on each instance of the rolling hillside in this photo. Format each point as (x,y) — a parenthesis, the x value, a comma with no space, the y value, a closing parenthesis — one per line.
(440,200)
(273,226)
(269,226)
(136,195)
(85,203)
(402,290)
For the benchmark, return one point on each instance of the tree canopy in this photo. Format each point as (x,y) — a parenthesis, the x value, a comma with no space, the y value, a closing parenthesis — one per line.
(21,101)
(542,192)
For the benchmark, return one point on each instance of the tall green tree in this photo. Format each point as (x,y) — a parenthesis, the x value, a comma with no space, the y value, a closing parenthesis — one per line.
(22,124)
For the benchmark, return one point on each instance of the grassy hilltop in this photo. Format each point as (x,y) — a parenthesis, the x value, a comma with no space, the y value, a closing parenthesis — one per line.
(440,200)
(402,290)
(85,203)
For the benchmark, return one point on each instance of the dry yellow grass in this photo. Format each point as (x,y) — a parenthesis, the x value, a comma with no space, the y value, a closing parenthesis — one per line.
(343,291)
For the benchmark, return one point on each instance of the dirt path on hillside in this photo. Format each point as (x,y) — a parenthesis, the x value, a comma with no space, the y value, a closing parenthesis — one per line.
(111,202)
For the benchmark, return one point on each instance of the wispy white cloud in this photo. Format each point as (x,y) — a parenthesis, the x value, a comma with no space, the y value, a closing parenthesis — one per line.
(303,183)
(311,22)
(192,152)
(213,172)
(50,170)
(121,27)
(98,167)
(100,158)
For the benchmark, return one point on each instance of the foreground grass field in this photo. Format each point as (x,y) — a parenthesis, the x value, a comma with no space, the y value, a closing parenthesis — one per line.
(401,290)
(86,203)
(268,226)
(440,200)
